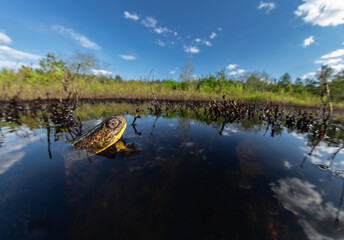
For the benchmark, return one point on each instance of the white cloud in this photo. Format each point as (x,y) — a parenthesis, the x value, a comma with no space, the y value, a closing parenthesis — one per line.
(132,16)
(82,40)
(329,61)
(127,57)
(219,29)
(239,71)
(309,75)
(100,72)
(303,199)
(191,49)
(308,41)
(161,30)
(323,153)
(232,129)
(226,133)
(13,144)
(149,22)
(160,43)
(287,165)
(16,54)
(267,5)
(13,59)
(4,38)
(208,43)
(213,35)
(15,65)
(298,136)
(322,12)
(173,71)
(187,144)
(232,66)
(197,40)
(336,53)
(8,160)
(338,68)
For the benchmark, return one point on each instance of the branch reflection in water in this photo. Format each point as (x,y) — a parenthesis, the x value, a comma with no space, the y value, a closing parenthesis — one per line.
(172,157)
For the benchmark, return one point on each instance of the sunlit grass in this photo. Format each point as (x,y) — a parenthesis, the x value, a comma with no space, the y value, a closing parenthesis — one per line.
(30,85)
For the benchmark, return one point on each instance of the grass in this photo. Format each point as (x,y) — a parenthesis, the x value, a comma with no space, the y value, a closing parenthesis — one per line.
(29,84)
(146,90)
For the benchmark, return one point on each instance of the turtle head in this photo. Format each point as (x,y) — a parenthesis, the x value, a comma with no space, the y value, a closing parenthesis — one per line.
(113,129)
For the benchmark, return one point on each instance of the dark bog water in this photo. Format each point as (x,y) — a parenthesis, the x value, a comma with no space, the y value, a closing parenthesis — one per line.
(191,179)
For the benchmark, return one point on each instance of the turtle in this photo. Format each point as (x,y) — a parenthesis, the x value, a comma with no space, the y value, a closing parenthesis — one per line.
(106,135)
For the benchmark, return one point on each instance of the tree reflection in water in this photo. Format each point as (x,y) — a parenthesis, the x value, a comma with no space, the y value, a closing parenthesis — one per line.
(167,172)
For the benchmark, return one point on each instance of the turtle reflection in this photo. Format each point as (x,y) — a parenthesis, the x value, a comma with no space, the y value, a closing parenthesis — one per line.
(110,152)
(120,146)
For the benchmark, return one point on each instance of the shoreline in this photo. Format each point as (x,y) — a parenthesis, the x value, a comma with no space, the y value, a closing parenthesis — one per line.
(313,107)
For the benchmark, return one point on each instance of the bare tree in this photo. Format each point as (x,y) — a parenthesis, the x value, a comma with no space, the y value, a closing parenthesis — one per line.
(87,61)
(325,74)
(187,70)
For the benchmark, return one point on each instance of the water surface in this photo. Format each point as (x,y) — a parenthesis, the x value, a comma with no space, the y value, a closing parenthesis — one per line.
(192,178)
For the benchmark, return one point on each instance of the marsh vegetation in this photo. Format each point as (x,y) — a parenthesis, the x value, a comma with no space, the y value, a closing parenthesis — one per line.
(52,80)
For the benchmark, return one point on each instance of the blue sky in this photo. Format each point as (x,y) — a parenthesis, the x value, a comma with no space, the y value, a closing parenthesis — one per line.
(136,36)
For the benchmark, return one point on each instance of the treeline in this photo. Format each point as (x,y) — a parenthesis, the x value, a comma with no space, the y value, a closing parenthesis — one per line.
(50,79)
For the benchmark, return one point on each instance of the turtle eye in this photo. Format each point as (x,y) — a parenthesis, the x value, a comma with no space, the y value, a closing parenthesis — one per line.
(113,124)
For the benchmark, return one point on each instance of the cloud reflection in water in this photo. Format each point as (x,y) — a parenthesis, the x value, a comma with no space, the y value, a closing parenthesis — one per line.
(316,216)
